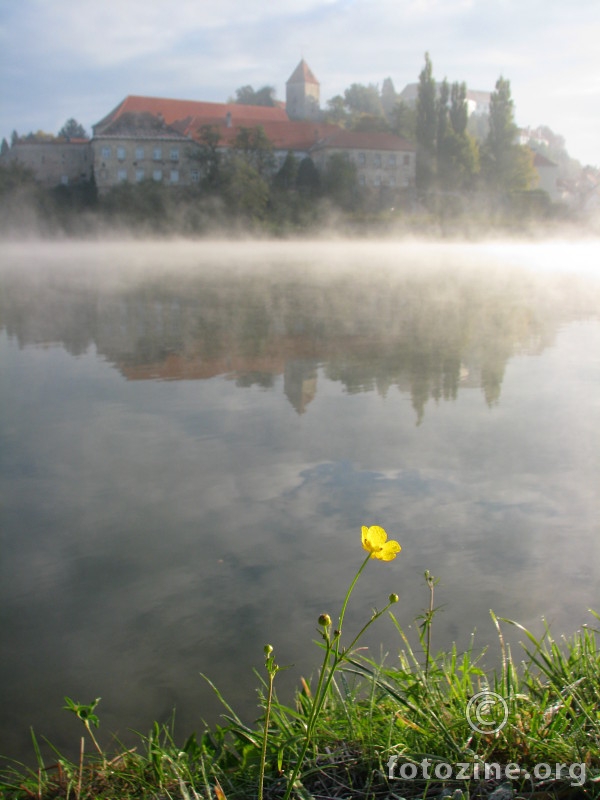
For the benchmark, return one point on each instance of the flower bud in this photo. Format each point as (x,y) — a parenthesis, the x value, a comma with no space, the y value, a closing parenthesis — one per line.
(268,649)
(325,620)
(393,598)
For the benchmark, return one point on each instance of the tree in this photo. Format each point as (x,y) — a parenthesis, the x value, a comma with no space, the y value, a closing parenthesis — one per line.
(336,110)
(209,156)
(370,123)
(253,146)
(388,97)
(264,96)
(503,130)
(308,180)
(459,112)
(361,99)
(404,121)
(4,148)
(246,192)
(443,117)
(507,167)
(72,130)
(457,152)
(426,127)
(339,180)
(286,177)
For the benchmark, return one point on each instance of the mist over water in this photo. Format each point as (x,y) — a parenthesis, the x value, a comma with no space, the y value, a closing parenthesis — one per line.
(192,435)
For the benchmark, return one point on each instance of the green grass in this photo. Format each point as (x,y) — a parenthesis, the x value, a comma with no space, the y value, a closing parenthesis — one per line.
(364,729)
(371,711)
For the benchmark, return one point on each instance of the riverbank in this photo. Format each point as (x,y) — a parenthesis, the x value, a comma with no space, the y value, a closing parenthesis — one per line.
(408,728)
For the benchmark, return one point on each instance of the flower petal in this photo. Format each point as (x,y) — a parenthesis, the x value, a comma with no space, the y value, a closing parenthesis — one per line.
(389,551)
(376,536)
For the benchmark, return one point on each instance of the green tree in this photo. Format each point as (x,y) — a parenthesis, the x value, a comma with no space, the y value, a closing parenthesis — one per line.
(404,121)
(336,110)
(457,151)
(4,148)
(443,114)
(389,97)
(254,147)
(426,127)
(209,155)
(361,99)
(506,165)
(339,180)
(72,130)
(286,177)
(459,112)
(308,180)
(245,190)
(246,96)
(370,123)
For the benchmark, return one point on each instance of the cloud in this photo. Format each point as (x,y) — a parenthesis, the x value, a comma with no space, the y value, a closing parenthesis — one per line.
(94,53)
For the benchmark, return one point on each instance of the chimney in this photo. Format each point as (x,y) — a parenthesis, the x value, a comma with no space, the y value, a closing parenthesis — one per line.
(228,120)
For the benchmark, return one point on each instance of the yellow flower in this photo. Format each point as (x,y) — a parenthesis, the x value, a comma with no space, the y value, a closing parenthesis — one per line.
(374,541)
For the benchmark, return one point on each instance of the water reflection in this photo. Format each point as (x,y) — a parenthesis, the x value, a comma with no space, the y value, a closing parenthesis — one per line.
(187,455)
(425,331)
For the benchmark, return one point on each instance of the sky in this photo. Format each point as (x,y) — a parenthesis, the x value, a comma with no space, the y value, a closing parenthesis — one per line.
(61,59)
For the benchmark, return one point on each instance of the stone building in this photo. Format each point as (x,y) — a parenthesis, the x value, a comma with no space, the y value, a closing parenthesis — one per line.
(381,159)
(302,94)
(53,161)
(159,139)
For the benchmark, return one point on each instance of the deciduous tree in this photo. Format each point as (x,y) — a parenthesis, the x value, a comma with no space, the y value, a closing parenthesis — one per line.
(246,96)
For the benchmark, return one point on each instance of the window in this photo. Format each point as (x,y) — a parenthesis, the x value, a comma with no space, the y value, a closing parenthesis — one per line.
(64,179)
(361,179)
(361,158)
(157,175)
(157,154)
(195,175)
(139,175)
(121,153)
(377,160)
(392,180)
(407,161)
(392,159)
(106,152)
(174,155)
(174,178)
(139,153)
(122,175)
(377,181)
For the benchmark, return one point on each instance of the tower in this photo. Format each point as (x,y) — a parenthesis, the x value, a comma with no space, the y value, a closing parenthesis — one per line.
(302,92)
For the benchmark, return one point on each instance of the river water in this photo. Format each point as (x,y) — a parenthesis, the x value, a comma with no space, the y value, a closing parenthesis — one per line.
(192,434)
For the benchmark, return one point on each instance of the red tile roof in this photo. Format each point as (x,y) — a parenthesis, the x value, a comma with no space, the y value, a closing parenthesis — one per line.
(302,74)
(363,140)
(301,135)
(182,112)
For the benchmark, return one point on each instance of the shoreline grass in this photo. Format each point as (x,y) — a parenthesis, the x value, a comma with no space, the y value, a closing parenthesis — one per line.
(406,728)
(371,712)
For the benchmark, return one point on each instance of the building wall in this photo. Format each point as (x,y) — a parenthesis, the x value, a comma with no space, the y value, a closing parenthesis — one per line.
(122,159)
(54,162)
(375,168)
(302,100)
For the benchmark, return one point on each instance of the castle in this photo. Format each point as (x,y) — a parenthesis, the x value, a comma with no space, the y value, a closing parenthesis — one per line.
(151,138)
